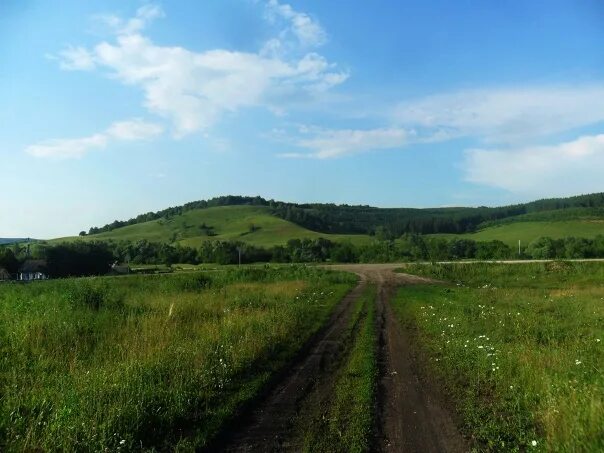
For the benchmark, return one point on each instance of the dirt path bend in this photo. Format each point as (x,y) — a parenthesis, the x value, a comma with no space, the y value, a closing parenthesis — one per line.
(269,426)
(411,414)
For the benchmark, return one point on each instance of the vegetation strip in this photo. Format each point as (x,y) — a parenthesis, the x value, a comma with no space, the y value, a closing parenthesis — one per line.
(519,348)
(340,416)
(149,362)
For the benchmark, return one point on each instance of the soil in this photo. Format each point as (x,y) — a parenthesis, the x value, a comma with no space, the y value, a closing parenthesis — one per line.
(412,416)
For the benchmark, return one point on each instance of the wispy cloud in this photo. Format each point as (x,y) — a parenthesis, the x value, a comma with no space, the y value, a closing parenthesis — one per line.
(305,29)
(70,148)
(505,115)
(326,143)
(502,117)
(194,89)
(564,169)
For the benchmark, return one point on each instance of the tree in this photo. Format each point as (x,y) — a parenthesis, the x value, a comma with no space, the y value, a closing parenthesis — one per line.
(8,260)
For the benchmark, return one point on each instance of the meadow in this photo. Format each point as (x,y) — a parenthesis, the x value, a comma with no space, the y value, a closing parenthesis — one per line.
(528,231)
(156,362)
(519,349)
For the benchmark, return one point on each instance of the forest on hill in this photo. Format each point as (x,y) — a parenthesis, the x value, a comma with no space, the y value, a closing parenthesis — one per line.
(388,222)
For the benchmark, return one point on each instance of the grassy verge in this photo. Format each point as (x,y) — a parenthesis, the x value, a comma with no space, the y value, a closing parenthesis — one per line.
(342,422)
(148,362)
(520,349)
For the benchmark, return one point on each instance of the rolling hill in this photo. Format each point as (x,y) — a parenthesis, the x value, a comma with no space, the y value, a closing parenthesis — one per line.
(252,224)
(266,223)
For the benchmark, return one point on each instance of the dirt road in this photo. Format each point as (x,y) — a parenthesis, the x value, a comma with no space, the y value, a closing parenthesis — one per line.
(411,417)
(411,413)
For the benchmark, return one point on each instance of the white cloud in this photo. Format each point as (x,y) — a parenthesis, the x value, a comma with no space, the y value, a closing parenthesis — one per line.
(135,129)
(556,170)
(307,30)
(143,17)
(70,148)
(193,89)
(76,59)
(67,148)
(337,143)
(505,115)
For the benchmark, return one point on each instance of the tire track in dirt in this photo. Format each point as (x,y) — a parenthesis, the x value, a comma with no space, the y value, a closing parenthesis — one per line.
(411,415)
(269,425)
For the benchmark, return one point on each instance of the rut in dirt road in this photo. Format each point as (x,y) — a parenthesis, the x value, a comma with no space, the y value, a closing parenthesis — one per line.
(411,414)
(269,426)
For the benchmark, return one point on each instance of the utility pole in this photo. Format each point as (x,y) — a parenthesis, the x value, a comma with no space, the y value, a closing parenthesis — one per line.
(519,247)
(239,250)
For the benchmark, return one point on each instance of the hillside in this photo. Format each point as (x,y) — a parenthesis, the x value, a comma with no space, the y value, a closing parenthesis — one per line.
(528,231)
(4,241)
(266,223)
(251,224)
(392,222)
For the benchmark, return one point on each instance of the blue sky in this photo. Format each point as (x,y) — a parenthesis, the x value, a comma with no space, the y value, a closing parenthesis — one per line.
(113,108)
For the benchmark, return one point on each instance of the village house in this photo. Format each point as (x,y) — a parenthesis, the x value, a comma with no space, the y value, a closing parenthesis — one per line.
(4,275)
(33,270)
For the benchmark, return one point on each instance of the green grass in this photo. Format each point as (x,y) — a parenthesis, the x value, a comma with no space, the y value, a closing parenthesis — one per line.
(529,231)
(228,223)
(343,421)
(148,362)
(519,348)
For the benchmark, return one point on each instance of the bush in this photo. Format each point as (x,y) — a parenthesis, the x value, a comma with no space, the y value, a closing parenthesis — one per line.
(93,295)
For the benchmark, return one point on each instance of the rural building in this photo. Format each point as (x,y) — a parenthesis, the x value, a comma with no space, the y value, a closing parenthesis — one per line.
(33,270)
(4,275)
(120,269)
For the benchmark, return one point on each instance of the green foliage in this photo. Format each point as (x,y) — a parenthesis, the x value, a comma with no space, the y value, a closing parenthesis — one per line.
(78,258)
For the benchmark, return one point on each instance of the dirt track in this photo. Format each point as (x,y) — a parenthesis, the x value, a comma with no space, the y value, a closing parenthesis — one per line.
(410,415)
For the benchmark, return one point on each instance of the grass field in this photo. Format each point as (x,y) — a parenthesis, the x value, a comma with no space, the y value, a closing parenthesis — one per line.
(519,348)
(148,362)
(529,231)
(342,420)
(227,222)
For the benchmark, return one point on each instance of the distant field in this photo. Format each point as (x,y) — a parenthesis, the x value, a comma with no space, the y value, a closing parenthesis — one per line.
(529,231)
(227,222)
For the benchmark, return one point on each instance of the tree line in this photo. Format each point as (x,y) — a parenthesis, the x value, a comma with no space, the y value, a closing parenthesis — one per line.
(96,258)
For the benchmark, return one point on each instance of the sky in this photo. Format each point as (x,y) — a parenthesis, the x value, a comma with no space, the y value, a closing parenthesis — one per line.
(112,108)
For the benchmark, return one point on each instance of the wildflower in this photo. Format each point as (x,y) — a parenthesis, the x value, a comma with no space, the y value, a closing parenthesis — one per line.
(534,443)
(122,442)
(577,362)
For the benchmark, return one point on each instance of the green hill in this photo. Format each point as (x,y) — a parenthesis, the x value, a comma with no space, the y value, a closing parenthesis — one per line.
(528,231)
(252,224)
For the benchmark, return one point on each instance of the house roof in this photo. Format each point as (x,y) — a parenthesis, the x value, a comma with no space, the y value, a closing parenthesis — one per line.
(33,266)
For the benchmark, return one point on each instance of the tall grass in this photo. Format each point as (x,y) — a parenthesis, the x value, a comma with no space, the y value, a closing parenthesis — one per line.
(520,348)
(148,362)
